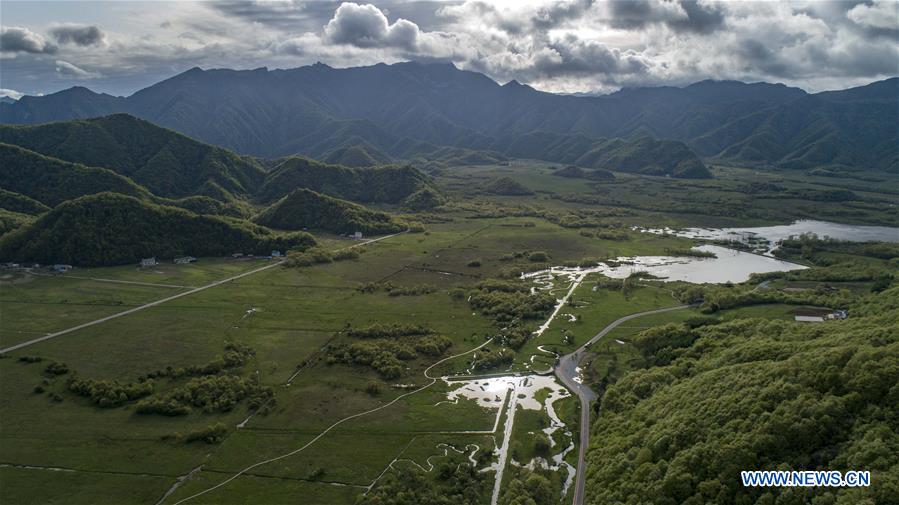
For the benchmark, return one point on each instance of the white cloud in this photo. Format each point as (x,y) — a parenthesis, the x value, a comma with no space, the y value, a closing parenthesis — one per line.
(64,68)
(15,95)
(555,45)
(881,14)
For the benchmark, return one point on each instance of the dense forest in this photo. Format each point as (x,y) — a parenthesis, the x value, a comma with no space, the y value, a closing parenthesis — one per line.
(387,184)
(113,229)
(167,163)
(304,208)
(51,181)
(753,394)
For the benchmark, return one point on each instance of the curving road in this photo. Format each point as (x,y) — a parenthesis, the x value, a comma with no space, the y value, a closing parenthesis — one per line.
(566,371)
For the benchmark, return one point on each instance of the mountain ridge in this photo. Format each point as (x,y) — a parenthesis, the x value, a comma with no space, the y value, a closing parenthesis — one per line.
(406,109)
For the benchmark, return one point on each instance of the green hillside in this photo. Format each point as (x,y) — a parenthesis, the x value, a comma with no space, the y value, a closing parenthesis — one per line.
(646,156)
(356,156)
(20,203)
(304,208)
(752,394)
(51,181)
(112,229)
(507,186)
(387,184)
(167,163)
(10,220)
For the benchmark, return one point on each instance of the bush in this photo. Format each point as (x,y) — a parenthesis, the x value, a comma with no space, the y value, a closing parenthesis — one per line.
(212,434)
(538,257)
(57,368)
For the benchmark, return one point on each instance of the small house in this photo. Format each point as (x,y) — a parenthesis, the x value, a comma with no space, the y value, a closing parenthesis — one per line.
(811,314)
(357,235)
(184,260)
(237,255)
(61,269)
(276,254)
(148,262)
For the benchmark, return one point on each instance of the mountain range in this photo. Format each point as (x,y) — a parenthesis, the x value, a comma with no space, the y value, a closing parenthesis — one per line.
(411,110)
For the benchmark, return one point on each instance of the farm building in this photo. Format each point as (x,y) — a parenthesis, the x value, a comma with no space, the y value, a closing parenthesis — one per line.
(184,260)
(61,269)
(148,262)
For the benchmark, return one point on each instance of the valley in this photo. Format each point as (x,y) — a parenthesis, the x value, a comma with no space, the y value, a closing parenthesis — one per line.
(313,298)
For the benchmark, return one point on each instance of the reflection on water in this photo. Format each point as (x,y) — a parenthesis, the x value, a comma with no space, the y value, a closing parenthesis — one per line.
(515,392)
(729,266)
(774,234)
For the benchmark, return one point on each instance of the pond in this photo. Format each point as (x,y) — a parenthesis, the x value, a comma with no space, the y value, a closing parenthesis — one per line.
(729,265)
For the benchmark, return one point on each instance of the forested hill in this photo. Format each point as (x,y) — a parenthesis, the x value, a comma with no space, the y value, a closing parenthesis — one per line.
(166,162)
(112,229)
(405,109)
(753,394)
(304,208)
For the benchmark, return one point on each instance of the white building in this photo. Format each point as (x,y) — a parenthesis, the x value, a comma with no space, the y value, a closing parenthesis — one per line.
(276,254)
(148,262)
(184,260)
(357,235)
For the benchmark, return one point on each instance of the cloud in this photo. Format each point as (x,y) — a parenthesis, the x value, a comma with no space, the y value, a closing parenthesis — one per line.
(16,39)
(66,69)
(15,95)
(680,15)
(80,35)
(553,45)
(366,26)
(882,14)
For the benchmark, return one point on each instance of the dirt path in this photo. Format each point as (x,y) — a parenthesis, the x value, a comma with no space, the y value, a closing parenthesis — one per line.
(566,371)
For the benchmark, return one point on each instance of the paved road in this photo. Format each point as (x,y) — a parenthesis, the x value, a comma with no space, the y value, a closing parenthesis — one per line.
(566,371)
(168,299)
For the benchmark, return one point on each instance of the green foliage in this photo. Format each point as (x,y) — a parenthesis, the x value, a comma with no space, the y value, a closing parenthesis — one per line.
(304,208)
(19,203)
(386,346)
(212,434)
(107,394)
(166,162)
(753,394)
(389,331)
(506,301)
(12,220)
(453,482)
(56,368)
(493,359)
(528,487)
(393,290)
(694,253)
(356,156)
(424,199)
(111,229)
(507,186)
(51,181)
(388,184)
(212,393)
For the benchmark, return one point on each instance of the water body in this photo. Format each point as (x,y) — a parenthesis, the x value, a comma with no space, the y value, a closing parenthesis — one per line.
(729,266)
(775,234)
